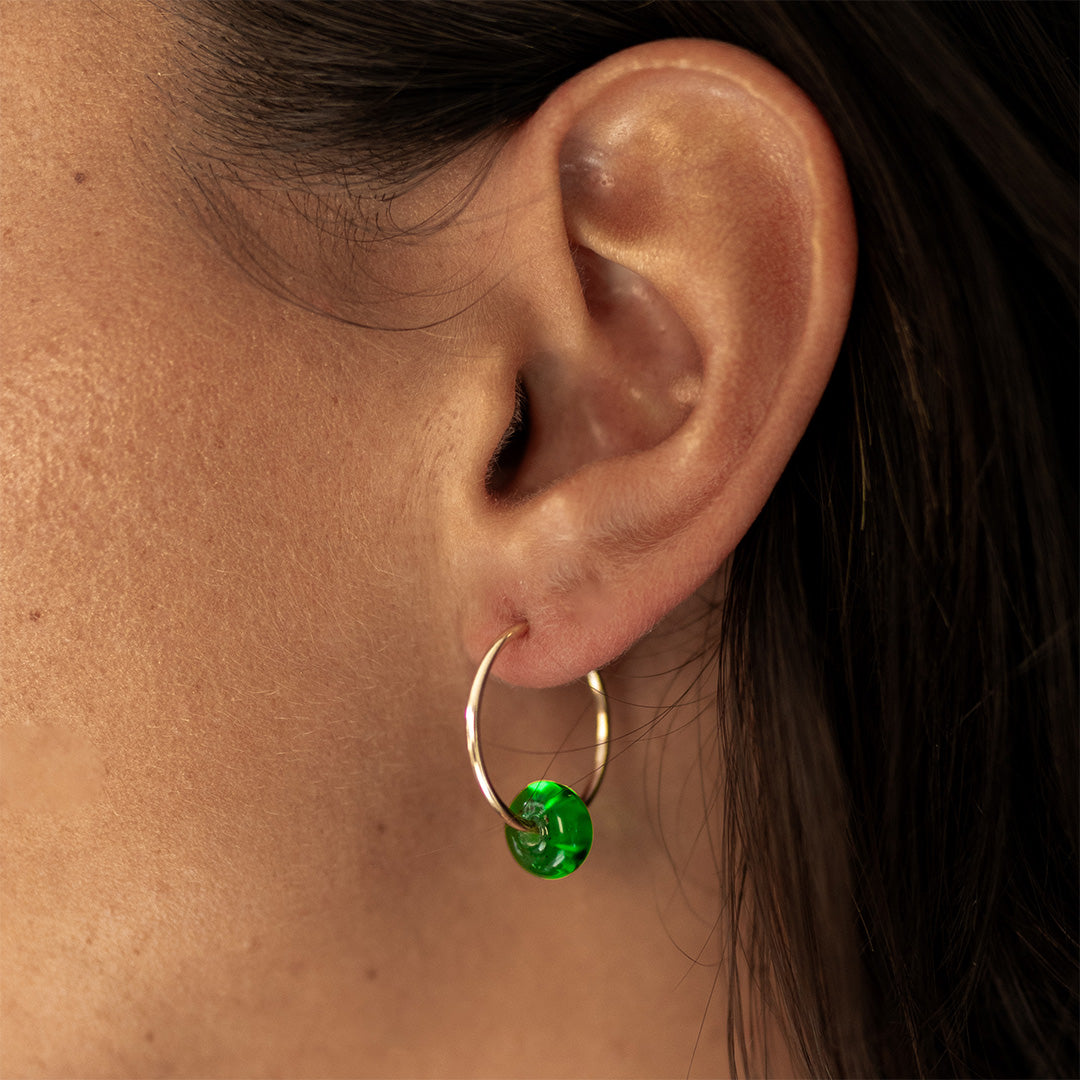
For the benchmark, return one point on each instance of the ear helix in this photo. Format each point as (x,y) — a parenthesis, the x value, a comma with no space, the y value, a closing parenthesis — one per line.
(676,304)
(548,827)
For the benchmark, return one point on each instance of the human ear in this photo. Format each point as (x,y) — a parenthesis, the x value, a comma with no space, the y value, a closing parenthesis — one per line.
(676,271)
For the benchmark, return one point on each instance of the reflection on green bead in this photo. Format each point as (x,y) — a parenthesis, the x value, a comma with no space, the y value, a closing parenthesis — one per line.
(565,835)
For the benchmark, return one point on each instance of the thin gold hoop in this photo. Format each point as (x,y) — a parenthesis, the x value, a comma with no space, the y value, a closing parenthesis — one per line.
(472,734)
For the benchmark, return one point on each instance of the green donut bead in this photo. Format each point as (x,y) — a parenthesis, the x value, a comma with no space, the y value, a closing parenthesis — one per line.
(565,835)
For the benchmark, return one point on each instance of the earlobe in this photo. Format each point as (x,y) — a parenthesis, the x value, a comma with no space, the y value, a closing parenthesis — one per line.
(693,232)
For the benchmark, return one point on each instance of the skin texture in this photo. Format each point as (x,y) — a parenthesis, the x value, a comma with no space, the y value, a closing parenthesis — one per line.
(249,565)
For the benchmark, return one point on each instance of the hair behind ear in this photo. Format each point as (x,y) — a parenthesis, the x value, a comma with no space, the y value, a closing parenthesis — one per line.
(908,594)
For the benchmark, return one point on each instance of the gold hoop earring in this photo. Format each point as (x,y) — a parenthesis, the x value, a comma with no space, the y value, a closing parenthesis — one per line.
(548,827)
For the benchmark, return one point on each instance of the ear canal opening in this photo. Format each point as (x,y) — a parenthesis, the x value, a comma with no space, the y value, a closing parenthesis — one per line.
(510,452)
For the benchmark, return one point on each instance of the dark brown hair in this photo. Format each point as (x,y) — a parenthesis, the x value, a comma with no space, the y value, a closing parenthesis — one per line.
(898,639)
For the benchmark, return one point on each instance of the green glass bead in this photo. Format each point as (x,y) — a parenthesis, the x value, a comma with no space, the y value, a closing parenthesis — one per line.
(565,834)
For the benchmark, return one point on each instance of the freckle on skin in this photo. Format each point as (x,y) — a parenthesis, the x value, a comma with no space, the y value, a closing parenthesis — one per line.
(80,177)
